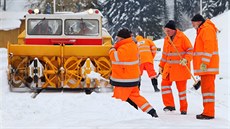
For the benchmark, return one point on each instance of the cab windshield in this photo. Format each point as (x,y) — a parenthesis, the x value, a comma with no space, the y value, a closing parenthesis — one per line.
(44,26)
(83,27)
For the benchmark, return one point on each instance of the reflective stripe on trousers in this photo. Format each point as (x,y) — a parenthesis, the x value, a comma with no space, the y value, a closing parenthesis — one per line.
(132,93)
(208,93)
(167,95)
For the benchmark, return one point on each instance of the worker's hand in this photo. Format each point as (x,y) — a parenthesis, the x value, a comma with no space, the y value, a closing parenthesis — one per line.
(183,62)
(203,67)
(160,70)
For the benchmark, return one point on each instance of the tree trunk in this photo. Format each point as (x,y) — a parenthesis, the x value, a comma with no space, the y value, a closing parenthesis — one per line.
(4,6)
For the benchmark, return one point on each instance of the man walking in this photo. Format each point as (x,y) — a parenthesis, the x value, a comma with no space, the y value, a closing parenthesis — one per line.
(125,72)
(147,52)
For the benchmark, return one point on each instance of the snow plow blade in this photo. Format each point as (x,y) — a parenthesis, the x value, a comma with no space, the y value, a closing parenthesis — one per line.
(56,66)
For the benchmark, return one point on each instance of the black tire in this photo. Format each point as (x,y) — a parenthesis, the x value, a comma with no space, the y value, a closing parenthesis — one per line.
(88,91)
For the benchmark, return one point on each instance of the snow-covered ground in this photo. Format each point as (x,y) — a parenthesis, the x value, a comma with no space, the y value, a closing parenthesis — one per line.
(65,110)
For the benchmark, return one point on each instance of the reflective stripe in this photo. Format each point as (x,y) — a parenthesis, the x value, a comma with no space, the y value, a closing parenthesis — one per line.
(144,46)
(189,49)
(215,53)
(164,53)
(125,80)
(125,63)
(208,100)
(173,61)
(144,106)
(208,94)
(116,56)
(170,61)
(183,98)
(205,59)
(165,87)
(163,60)
(154,51)
(149,109)
(181,93)
(197,53)
(144,51)
(189,53)
(208,70)
(141,42)
(207,54)
(166,92)
(153,47)
(204,54)
(176,54)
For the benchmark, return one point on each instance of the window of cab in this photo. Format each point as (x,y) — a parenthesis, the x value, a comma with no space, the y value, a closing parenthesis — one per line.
(44,27)
(82,27)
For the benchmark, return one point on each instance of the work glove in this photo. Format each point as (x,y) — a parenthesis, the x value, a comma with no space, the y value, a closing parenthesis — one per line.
(183,62)
(160,70)
(203,67)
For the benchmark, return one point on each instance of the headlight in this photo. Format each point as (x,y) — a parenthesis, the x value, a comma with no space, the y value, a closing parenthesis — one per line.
(36,11)
(90,11)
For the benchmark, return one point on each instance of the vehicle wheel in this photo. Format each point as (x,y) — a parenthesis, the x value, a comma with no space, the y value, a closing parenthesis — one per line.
(88,91)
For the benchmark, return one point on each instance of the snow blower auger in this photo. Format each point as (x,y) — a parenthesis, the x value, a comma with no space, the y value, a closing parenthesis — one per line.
(61,51)
(196,85)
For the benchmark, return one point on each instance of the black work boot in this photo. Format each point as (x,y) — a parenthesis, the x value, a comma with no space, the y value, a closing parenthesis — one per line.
(204,117)
(169,108)
(153,113)
(183,113)
(155,83)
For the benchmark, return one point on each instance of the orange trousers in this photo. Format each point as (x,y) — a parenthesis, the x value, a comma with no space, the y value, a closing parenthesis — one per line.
(132,93)
(167,94)
(149,68)
(208,93)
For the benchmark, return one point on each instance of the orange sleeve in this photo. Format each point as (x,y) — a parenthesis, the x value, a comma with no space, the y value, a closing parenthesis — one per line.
(209,39)
(164,56)
(187,46)
(153,48)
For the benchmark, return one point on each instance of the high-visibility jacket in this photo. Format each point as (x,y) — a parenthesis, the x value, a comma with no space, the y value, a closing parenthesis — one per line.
(170,61)
(147,49)
(125,63)
(206,49)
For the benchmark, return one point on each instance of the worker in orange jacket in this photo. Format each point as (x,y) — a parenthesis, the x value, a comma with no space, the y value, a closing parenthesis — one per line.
(173,68)
(206,62)
(147,51)
(125,72)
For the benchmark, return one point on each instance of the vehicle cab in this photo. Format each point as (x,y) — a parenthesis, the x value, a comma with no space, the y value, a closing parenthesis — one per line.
(84,28)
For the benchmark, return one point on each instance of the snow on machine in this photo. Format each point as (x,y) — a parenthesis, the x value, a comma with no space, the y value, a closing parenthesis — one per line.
(60,51)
